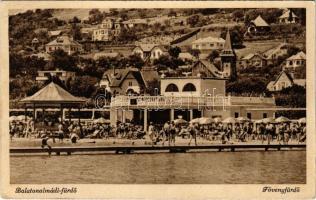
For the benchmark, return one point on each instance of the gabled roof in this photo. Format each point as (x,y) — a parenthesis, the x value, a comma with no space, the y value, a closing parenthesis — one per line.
(64,40)
(105,54)
(259,21)
(208,39)
(54,33)
(146,47)
(52,93)
(117,79)
(211,67)
(299,56)
(251,55)
(286,74)
(286,14)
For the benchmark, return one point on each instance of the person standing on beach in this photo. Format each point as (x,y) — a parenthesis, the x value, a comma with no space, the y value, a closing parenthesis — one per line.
(173,133)
(166,128)
(45,144)
(193,132)
(60,132)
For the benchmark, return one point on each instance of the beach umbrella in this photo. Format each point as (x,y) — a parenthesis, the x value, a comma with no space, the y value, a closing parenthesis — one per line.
(217,119)
(229,120)
(268,120)
(194,121)
(243,119)
(206,120)
(282,119)
(12,118)
(180,121)
(258,121)
(302,120)
(101,120)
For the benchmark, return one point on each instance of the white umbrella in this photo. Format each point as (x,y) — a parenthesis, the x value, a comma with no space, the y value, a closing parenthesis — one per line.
(180,121)
(206,120)
(243,119)
(217,119)
(12,118)
(194,121)
(302,120)
(101,120)
(282,119)
(268,120)
(229,120)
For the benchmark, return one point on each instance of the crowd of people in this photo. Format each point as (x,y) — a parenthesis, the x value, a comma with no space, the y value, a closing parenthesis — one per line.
(168,133)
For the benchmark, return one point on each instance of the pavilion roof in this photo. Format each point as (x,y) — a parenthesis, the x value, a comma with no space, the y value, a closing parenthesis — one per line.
(53,94)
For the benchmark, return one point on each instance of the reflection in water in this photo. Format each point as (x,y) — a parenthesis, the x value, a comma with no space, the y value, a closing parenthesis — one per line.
(273,167)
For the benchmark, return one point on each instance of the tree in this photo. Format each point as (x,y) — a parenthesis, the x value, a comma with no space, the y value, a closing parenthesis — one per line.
(136,61)
(174,51)
(127,35)
(62,60)
(214,54)
(75,32)
(193,20)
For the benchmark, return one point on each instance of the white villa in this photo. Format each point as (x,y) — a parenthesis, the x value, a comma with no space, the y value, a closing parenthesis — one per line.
(295,61)
(208,43)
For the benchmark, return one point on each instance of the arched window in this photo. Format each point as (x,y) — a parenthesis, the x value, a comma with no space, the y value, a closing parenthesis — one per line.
(172,88)
(189,87)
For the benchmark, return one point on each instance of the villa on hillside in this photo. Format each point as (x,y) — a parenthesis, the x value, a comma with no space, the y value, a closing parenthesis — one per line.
(258,26)
(252,60)
(283,81)
(288,17)
(150,51)
(61,74)
(272,54)
(208,44)
(107,30)
(295,61)
(65,43)
(123,81)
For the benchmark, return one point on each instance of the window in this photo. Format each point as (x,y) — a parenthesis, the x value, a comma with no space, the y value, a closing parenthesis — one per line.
(236,114)
(172,88)
(130,83)
(189,87)
(290,62)
(265,115)
(249,115)
(211,45)
(298,62)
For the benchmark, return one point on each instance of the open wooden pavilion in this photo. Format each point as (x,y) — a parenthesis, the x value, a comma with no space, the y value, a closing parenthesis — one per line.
(52,96)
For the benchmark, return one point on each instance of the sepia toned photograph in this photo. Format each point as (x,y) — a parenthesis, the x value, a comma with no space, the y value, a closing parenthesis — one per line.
(194,95)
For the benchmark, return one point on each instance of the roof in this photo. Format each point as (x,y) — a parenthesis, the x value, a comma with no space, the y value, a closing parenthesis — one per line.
(288,76)
(105,54)
(120,75)
(150,75)
(54,33)
(299,56)
(208,39)
(228,42)
(211,67)
(63,40)
(269,53)
(186,55)
(259,21)
(146,47)
(251,55)
(43,55)
(286,14)
(52,93)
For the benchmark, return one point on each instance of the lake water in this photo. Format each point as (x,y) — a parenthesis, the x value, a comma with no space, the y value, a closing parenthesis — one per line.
(272,167)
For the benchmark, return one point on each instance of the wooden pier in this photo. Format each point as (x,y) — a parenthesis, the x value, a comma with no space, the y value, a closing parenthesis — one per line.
(157,149)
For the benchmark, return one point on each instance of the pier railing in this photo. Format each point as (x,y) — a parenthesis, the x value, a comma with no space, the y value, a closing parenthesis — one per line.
(168,101)
(186,101)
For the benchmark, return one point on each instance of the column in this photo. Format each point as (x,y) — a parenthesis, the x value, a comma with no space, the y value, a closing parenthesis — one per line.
(61,113)
(145,120)
(123,116)
(93,114)
(171,114)
(191,114)
(25,112)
